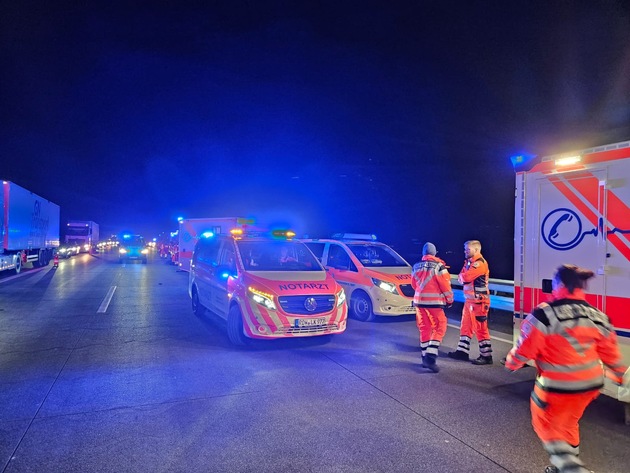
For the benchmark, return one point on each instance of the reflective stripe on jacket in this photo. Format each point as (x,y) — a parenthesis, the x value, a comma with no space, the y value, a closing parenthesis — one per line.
(432,283)
(567,339)
(474,276)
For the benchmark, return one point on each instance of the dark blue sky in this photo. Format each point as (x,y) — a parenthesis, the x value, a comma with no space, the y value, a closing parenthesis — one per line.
(396,118)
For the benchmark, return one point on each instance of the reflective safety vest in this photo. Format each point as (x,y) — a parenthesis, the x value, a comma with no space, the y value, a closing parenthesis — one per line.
(474,276)
(432,283)
(567,339)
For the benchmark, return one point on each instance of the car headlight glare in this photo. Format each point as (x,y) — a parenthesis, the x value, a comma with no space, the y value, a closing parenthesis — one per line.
(122,251)
(341,297)
(262,298)
(385,286)
(145,251)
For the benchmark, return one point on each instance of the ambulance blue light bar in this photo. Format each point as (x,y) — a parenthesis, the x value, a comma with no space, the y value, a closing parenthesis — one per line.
(207,234)
(288,234)
(355,236)
(524,161)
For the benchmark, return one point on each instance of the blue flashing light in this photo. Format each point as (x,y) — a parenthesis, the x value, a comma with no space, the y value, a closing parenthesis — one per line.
(225,275)
(520,160)
(207,234)
(179,219)
(126,236)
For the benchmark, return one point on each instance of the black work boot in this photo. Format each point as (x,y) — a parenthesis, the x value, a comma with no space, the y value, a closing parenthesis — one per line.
(482,360)
(551,469)
(429,363)
(458,355)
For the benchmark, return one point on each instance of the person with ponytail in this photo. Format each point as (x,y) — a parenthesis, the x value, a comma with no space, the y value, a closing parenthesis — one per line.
(568,340)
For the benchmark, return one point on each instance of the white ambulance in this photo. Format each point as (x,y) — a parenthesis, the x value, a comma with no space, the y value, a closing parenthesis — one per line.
(575,208)
(377,280)
(265,286)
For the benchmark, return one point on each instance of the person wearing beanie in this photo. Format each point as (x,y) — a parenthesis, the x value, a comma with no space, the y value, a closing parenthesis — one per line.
(429,249)
(432,284)
(475,277)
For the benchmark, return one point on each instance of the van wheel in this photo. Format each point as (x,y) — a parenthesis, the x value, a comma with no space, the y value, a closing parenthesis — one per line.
(197,308)
(235,327)
(361,306)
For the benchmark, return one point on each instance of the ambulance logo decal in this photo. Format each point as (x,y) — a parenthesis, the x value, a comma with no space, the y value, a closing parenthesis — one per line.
(562,229)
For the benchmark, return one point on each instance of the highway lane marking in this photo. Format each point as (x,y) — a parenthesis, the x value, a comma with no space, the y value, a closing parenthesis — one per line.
(108,298)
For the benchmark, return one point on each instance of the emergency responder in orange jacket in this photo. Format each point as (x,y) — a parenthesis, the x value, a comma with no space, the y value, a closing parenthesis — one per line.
(432,284)
(566,339)
(474,276)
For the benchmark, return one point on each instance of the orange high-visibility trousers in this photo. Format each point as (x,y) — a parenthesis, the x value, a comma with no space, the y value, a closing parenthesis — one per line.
(471,325)
(431,322)
(555,416)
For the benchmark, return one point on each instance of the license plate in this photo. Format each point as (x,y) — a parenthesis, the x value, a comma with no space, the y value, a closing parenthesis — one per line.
(310,322)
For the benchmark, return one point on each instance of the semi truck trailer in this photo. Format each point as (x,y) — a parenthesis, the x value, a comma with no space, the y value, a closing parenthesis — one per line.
(29,228)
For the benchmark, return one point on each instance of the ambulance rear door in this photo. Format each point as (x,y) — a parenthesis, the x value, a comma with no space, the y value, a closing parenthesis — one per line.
(568,222)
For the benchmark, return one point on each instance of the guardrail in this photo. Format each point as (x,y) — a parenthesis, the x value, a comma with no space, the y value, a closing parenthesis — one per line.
(501,293)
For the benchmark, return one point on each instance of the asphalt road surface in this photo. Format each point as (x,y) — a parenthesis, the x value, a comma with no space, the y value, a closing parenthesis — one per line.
(104,368)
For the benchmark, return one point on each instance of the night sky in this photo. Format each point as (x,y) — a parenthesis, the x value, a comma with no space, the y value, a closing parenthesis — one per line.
(394,118)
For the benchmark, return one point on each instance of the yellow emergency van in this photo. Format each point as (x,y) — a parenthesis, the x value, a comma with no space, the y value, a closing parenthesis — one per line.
(265,286)
(377,280)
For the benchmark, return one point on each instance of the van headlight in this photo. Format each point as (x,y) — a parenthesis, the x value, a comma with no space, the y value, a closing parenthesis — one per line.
(122,251)
(262,298)
(385,286)
(341,297)
(145,251)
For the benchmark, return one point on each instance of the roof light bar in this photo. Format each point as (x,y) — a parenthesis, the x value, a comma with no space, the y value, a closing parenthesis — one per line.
(355,236)
(568,161)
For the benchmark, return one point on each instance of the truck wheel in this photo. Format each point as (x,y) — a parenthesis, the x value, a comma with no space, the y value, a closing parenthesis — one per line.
(361,306)
(235,327)
(198,309)
(18,264)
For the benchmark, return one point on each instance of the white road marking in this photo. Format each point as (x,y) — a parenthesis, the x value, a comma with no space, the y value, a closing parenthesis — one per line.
(108,298)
